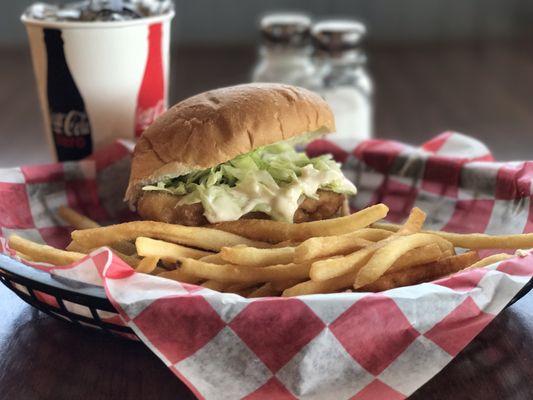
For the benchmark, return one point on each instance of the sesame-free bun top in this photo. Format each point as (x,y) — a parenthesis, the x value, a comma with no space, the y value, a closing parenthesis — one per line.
(216,126)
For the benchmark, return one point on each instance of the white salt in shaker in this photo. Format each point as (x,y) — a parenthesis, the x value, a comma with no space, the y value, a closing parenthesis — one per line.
(344,81)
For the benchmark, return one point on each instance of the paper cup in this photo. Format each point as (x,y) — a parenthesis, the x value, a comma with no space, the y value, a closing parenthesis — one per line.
(99,81)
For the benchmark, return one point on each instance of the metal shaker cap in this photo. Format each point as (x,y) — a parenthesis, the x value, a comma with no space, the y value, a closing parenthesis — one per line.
(338,34)
(286,28)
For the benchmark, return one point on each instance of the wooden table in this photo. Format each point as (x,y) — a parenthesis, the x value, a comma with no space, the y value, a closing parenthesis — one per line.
(483,89)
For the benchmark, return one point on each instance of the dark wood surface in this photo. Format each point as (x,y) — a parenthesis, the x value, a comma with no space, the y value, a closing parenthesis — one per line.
(483,89)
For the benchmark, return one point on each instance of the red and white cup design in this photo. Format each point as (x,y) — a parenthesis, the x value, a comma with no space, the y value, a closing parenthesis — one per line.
(99,81)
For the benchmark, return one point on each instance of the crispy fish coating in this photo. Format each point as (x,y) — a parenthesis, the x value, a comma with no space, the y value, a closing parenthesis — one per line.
(164,207)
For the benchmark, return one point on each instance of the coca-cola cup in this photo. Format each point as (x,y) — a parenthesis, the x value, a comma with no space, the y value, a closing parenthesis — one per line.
(98,81)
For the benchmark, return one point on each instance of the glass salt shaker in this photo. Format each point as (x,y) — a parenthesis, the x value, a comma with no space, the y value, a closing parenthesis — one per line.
(285,53)
(344,81)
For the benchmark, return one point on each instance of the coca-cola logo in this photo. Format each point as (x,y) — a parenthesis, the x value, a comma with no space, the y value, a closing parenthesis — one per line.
(71,124)
(146,116)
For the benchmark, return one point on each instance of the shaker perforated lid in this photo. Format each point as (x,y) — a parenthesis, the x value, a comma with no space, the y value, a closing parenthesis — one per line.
(286,28)
(338,34)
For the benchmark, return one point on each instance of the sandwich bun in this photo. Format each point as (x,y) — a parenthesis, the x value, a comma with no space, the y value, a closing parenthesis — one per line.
(216,126)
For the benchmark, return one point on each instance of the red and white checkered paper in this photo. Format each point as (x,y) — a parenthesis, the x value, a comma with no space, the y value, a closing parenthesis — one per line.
(333,346)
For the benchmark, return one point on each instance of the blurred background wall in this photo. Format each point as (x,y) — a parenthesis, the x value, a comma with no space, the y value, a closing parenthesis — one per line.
(234,22)
(463,65)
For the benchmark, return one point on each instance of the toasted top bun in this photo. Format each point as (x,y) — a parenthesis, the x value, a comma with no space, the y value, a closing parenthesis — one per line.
(216,126)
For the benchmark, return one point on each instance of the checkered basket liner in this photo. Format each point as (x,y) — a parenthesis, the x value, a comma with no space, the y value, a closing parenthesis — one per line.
(339,346)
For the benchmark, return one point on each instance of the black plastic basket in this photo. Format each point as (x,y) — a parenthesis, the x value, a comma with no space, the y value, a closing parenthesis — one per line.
(28,282)
(71,297)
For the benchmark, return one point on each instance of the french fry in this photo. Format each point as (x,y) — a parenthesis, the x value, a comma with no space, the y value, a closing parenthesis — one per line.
(422,273)
(414,222)
(280,286)
(476,241)
(321,247)
(277,231)
(334,267)
(122,247)
(372,234)
(76,247)
(75,219)
(240,274)
(448,253)
(43,253)
(265,290)
(213,259)
(246,292)
(387,255)
(168,265)
(345,281)
(388,226)
(147,265)
(243,255)
(215,285)
(323,270)
(261,258)
(132,261)
(179,275)
(169,252)
(157,271)
(421,255)
(23,256)
(315,287)
(204,238)
(286,243)
(239,287)
(484,262)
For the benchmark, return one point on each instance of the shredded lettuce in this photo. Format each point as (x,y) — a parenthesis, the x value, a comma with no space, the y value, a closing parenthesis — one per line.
(272,179)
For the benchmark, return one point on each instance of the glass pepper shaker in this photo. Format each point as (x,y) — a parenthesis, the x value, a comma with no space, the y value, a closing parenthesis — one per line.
(344,81)
(285,52)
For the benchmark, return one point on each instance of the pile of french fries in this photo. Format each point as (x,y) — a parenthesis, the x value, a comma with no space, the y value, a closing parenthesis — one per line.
(259,258)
